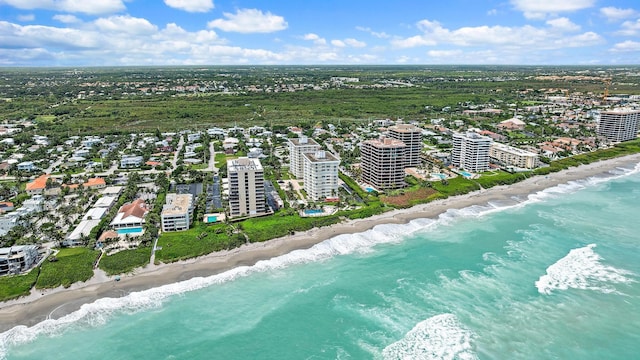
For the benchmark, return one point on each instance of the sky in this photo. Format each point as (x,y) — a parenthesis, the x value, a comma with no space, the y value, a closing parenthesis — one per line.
(318,32)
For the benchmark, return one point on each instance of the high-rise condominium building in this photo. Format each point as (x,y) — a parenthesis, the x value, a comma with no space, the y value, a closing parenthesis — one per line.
(383,162)
(471,152)
(246,187)
(619,124)
(297,148)
(411,136)
(321,175)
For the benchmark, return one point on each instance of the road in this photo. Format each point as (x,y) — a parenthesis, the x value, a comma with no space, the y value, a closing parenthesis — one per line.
(174,162)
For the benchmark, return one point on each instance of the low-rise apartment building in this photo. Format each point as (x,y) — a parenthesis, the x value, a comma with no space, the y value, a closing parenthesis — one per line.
(510,156)
(177,212)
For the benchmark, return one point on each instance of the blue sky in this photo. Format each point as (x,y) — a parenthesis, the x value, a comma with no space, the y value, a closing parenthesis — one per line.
(226,32)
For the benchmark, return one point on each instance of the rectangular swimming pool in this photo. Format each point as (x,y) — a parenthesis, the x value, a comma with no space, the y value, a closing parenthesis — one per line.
(133,230)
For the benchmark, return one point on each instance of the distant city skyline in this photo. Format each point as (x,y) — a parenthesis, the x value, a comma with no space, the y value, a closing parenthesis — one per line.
(327,32)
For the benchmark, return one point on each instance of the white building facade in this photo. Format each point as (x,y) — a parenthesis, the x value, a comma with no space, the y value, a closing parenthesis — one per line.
(321,175)
(510,156)
(471,152)
(177,212)
(297,148)
(246,187)
(619,125)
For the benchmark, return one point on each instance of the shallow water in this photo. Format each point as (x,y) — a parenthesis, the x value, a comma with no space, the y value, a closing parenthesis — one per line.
(554,276)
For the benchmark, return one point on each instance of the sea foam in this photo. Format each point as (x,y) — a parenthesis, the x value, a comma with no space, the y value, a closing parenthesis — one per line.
(438,337)
(581,269)
(100,311)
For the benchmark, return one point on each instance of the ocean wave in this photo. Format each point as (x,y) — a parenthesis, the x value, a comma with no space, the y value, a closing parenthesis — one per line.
(100,311)
(438,337)
(581,269)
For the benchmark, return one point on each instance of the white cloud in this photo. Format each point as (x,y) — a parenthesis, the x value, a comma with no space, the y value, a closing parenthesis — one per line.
(413,41)
(355,43)
(380,35)
(626,46)
(93,7)
(615,14)
(26,17)
(539,9)
(249,21)
(315,38)
(630,28)
(563,24)
(444,53)
(524,37)
(492,12)
(191,5)
(66,19)
(348,42)
(38,36)
(126,24)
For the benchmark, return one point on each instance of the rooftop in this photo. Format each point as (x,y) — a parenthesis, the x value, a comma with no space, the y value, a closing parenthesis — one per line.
(243,164)
(177,204)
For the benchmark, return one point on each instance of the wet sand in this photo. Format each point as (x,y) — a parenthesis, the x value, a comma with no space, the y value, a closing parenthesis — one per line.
(55,303)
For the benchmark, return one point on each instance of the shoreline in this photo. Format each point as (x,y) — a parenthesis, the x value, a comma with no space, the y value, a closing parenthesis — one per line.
(55,303)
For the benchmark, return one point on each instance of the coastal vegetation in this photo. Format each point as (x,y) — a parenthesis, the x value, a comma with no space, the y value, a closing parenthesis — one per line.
(68,266)
(125,261)
(197,241)
(15,286)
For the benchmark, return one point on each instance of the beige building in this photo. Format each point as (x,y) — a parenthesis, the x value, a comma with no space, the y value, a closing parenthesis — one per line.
(411,136)
(246,187)
(510,156)
(619,124)
(321,175)
(177,212)
(383,163)
(297,148)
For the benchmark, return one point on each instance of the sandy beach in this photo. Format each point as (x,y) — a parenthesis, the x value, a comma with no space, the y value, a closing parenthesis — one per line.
(55,303)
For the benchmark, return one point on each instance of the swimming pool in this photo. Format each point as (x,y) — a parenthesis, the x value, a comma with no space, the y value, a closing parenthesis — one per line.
(466,174)
(133,230)
(441,176)
(212,219)
(370,189)
(313,211)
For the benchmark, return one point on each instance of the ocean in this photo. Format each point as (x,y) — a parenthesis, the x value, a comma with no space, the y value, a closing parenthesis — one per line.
(554,275)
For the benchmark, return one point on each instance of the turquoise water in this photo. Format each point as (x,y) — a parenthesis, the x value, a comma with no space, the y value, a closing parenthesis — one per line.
(466,174)
(313,211)
(212,219)
(553,276)
(135,230)
(369,189)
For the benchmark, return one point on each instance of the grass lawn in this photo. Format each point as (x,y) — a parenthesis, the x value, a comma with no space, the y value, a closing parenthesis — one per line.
(125,261)
(73,265)
(180,245)
(15,286)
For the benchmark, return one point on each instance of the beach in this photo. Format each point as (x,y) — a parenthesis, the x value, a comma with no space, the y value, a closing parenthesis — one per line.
(55,303)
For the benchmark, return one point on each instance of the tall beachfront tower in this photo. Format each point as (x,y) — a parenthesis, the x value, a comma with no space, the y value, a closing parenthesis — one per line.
(246,187)
(297,148)
(321,175)
(619,124)
(383,162)
(471,152)
(411,136)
